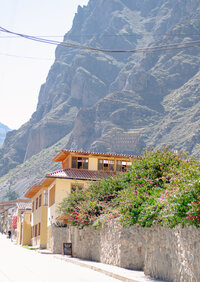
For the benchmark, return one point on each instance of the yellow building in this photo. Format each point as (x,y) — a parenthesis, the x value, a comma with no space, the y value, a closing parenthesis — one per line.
(93,161)
(8,209)
(24,224)
(78,170)
(38,194)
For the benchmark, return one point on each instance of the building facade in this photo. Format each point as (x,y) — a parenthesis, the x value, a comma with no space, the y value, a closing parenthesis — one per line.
(77,172)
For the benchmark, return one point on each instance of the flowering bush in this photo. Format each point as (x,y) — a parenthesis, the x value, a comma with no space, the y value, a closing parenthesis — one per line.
(161,188)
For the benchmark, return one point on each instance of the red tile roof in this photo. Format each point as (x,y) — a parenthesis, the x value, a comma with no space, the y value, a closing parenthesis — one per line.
(98,154)
(7,203)
(81,174)
(63,153)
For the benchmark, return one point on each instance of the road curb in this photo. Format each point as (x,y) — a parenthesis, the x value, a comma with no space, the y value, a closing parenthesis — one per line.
(108,273)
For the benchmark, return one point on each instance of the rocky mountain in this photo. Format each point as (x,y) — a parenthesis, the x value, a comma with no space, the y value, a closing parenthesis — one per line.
(115,101)
(3,130)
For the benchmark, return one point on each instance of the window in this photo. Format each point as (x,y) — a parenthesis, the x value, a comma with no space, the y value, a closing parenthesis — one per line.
(80,163)
(76,187)
(106,165)
(52,196)
(40,200)
(38,229)
(33,206)
(123,165)
(36,206)
(45,197)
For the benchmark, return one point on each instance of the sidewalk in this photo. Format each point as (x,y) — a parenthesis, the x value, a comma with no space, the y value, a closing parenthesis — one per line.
(119,273)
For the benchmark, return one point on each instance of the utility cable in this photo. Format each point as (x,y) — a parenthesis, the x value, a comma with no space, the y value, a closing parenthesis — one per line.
(174,46)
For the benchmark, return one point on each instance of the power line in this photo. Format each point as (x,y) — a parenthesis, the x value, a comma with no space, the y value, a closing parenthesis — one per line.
(175,46)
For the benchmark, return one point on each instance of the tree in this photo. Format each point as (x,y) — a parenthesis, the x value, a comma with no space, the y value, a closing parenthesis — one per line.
(11,195)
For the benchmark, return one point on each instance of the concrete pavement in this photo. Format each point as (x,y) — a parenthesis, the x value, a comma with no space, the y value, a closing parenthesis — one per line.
(19,264)
(116,272)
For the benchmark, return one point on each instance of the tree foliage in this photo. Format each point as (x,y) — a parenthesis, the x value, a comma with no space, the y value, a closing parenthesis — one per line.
(162,187)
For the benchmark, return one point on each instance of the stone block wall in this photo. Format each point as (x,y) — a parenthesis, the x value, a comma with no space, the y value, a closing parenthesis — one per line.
(163,253)
(59,235)
(173,254)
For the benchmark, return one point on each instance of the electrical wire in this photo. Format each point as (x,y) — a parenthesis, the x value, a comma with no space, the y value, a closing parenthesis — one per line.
(174,46)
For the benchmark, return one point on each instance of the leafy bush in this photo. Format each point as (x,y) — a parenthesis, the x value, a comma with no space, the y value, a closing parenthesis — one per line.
(161,188)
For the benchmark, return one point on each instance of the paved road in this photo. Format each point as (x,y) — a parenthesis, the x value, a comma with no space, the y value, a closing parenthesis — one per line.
(21,265)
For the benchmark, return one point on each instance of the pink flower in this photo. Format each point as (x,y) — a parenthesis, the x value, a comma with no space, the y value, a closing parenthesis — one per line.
(136,191)
(131,205)
(150,182)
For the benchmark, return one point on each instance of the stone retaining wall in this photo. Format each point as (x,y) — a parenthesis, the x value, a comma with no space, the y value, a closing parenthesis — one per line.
(168,254)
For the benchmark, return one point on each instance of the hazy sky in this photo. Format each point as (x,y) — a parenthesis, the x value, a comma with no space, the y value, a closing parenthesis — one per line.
(24,64)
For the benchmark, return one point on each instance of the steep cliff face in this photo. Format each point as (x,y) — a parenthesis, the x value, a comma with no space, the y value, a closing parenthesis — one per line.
(137,102)
(118,102)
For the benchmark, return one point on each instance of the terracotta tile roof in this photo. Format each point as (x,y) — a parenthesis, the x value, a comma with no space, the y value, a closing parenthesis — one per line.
(7,203)
(98,154)
(81,174)
(63,153)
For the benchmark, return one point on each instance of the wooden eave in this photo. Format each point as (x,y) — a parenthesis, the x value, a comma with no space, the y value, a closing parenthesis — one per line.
(61,156)
(46,182)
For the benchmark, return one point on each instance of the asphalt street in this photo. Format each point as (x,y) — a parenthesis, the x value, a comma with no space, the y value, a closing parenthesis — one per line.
(18,264)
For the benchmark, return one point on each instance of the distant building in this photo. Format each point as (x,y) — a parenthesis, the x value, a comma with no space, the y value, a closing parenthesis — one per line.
(8,211)
(24,213)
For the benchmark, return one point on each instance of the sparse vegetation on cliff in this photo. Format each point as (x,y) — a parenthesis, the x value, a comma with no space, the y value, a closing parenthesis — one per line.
(162,187)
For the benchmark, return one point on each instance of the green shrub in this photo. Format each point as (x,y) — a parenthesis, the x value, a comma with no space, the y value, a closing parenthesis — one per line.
(161,188)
